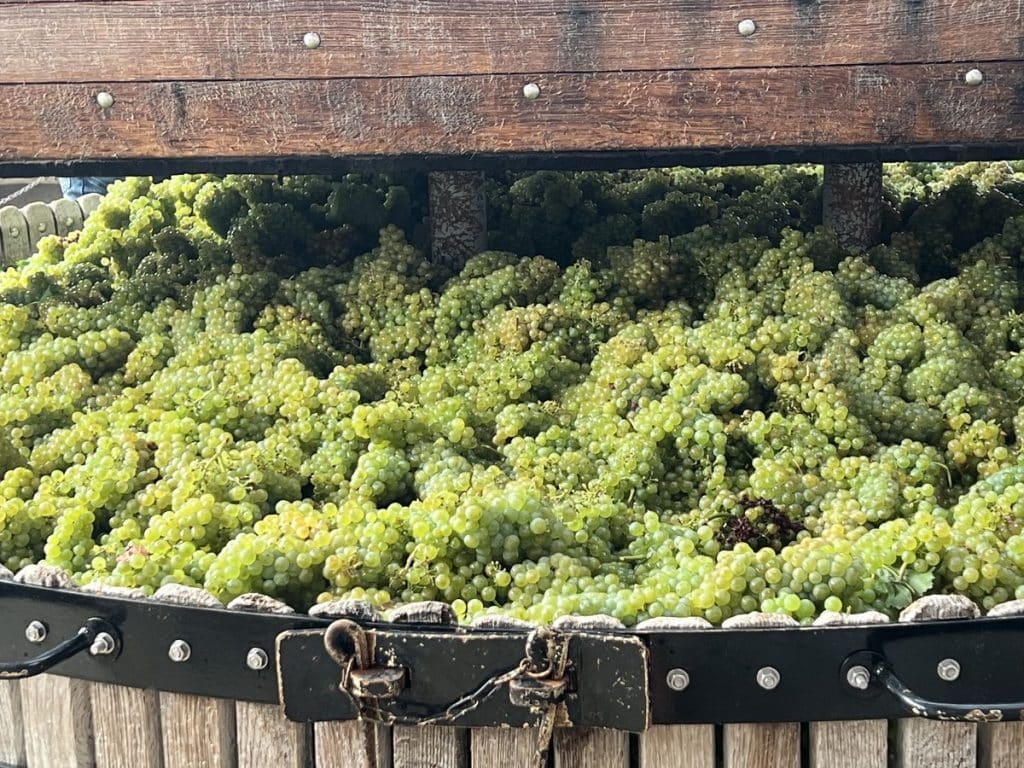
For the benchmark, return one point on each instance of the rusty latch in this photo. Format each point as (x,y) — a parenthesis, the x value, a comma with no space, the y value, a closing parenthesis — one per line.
(349,645)
(382,683)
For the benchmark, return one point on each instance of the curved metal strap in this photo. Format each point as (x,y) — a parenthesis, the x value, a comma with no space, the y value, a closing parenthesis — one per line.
(935,710)
(80,641)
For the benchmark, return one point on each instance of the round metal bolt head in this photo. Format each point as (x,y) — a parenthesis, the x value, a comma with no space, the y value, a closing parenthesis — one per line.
(15,231)
(747,27)
(678,679)
(35,632)
(41,227)
(105,100)
(768,678)
(257,659)
(311,40)
(974,77)
(948,670)
(858,677)
(531,91)
(179,652)
(102,645)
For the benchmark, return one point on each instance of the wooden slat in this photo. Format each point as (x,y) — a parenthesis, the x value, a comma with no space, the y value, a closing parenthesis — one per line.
(89,203)
(68,215)
(126,725)
(262,39)
(434,745)
(762,745)
(1000,745)
(591,748)
(352,745)
(849,744)
(458,217)
(14,239)
(41,222)
(12,738)
(933,744)
(502,746)
(908,105)
(58,722)
(678,746)
(198,732)
(266,738)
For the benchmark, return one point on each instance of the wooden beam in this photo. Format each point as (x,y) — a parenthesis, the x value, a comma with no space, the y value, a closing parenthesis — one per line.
(263,39)
(879,107)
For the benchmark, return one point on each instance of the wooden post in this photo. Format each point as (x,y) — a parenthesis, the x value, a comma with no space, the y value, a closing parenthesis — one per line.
(1001,745)
(852,201)
(126,722)
(68,216)
(12,737)
(458,217)
(14,240)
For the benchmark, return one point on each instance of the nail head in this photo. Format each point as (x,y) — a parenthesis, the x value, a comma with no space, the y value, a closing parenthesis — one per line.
(531,91)
(105,100)
(974,77)
(747,27)
(311,40)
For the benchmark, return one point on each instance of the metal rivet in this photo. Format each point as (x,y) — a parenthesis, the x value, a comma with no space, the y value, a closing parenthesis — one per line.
(179,651)
(858,677)
(257,659)
(42,226)
(531,91)
(105,100)
(311,40)
(69,221)
(948,670)
(747,27)
(15,231)
(678,679)
(102,645)
(35,632)
(768,678)
(974,77)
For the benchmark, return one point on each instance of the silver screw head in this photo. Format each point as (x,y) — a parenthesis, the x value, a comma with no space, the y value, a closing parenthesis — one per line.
(102,645)
(311,40)
(974,77)
(179,652)
(35,632)
(747,27)
(531,91)
(257,659)
(768,678)
(678,679)
(105,100)
(948,670)
(858,677)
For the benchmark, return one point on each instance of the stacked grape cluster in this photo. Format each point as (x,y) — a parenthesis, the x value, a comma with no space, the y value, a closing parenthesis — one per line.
(680,397)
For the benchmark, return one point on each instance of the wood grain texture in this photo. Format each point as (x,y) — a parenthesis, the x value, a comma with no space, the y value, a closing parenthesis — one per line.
(126,726)
(266,738)
(458,217)
(41,222)
(591,748)
(262,39)
(1000,745)
(431,746)
(15,244)
(68,215)
(931,744)
(352,745)
(852,203)
(849,744)
(12,737)
(58,722)
(906,105)
(762,745)
(502,746)
(198,732)
(678,746)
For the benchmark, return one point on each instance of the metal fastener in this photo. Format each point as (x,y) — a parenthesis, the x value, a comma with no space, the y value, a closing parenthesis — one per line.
(678,679)
(747,27)
(257,659)
(42,226)
(948,670)
(311,40)
(102,645)
(35,632)
(15,231)
(105,100)
(768,678)
(531,91)
(858,677)
(974,77)
(179,652)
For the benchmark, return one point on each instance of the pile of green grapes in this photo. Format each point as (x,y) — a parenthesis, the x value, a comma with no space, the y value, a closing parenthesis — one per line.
(672,393)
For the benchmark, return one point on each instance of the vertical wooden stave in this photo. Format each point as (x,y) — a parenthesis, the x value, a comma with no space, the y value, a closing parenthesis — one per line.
(67,214)
(458,216)
(14,238)
(89,203)
(1001,745)
(852,203)
(41,222)
(126,725)
(12,735)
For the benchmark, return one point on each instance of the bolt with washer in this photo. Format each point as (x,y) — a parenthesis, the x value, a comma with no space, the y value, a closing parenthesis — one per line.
(768,678)
(858,677)
(35,632)
(678,679)
(948,670)
(257,659)
(103,644)
(179,652)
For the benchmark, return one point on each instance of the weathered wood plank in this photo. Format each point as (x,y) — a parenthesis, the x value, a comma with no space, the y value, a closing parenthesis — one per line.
(14,239)
(932,744)
(503,746)
(591,748)
(1000,745)
(263,39)
(41,222)
(906,105)
(678,746)
(762,745)
(67,214)
(352,745)
(126,724)
(458,217)
(58,722)
(198,732)
(431,746)
(12,738)
(849,744)
(852,203)
(266,738)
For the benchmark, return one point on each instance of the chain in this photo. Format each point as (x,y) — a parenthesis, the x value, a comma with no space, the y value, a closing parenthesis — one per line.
(20,192)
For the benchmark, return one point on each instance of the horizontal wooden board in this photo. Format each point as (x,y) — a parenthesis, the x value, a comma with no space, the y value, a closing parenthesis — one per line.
(142,40)
(880,107)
